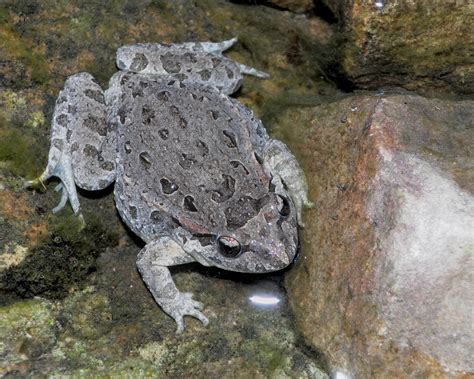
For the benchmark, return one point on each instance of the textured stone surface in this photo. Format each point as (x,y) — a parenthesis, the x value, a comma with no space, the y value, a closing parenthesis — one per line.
(384,286)
(420,45)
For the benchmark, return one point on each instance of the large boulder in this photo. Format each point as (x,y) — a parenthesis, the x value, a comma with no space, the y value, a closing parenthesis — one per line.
(418,45)
(384,285)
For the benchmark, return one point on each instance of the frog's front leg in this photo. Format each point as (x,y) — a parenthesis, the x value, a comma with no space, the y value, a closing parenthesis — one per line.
(82,142)
(153,262)
(287,173)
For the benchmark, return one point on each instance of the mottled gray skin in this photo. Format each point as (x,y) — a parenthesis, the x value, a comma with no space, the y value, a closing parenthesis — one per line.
(196,175)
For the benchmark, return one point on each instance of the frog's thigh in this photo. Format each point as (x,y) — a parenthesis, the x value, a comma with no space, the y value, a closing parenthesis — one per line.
(153,262)
(282,164)
(90,139)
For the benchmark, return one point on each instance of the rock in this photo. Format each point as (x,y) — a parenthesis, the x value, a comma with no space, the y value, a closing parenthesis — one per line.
(297,6)
(384,285)
(420,46)
(28,331)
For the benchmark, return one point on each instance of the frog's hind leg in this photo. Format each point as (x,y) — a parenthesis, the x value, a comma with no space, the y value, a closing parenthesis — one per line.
(59,165)
(82,143)
(153,262)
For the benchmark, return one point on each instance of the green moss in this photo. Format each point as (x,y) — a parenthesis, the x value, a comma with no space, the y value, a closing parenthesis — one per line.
(18,152)
(21,50)
(4,15)
(62,259)
(27,329)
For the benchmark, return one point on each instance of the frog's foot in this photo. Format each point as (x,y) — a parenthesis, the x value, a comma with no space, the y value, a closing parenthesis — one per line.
(153,262)
(61,168)
(62,203)
(183,305)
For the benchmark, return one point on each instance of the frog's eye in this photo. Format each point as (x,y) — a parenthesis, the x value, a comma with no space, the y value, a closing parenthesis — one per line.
(283,206)
(229,247)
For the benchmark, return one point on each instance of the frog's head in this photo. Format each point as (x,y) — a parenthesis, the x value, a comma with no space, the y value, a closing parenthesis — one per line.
(265,242)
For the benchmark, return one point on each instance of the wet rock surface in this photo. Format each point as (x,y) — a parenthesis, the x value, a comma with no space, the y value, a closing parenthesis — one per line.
(383,286)
(424,45)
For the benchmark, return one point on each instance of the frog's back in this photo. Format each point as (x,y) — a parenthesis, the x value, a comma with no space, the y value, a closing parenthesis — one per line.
(188,156)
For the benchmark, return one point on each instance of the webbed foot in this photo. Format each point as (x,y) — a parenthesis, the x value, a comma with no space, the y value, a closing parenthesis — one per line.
(61,168)
(183,305)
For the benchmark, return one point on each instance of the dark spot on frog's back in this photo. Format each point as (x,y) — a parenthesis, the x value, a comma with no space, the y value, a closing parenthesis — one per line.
(239,165)
(97,125)
(145,159)
(225,191)
(168,186)
(62,119)
(72,109)
(147,114)
(95,95)
(127,147)
(189,204)
(90,151)
(139,62)
(164,134)
(205,75)
(169,63)
(230,73)
(241,211)
(215,62)
(163,96)
(187,160)
(214,114)
(156,217)
(122,113)
(191,57)
(229,139)
(202,147)
(107,166)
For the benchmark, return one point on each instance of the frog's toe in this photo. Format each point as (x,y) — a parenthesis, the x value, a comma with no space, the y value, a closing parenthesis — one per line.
(186,306)
(37,183)
(63,200)
(252,71)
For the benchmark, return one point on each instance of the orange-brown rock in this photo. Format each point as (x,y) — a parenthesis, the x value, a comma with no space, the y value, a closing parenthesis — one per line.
(384,284)
(420,45)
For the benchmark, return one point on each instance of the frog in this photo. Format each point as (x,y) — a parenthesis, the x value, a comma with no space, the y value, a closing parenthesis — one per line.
(195,174)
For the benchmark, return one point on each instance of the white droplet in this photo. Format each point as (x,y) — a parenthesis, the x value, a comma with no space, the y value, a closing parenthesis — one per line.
(264,299)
